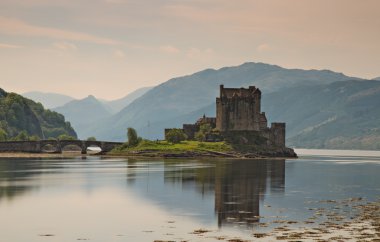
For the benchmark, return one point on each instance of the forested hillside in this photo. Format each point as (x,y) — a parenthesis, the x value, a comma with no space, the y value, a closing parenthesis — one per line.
(22,118)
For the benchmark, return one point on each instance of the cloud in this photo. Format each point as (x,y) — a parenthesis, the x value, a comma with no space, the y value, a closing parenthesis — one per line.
(12,26)
(119,54)
(169,49)
(115,1)
(10,46)
(65,46)
(204,55)
(263,48)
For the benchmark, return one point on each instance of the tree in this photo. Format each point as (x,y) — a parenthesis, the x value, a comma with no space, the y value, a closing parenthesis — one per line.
(176,136)
(34,138)
(200,136)
(22,136)
(66,137)
(204,129)
(3,135)
(133,139)
(92,138)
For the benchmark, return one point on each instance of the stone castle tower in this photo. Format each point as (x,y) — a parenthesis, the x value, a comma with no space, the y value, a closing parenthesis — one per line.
(238,112)
(239,109)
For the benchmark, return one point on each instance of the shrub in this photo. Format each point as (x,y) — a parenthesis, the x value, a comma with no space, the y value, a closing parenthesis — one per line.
(200,136)
(34,138)
(176,136)
(91,138)
(22,136)
(3,135)
(66,137)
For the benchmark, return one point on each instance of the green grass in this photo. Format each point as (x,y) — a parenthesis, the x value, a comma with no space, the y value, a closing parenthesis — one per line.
(184,146)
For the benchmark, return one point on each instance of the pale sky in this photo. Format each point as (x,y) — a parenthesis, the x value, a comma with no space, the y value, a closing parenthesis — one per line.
(109,48)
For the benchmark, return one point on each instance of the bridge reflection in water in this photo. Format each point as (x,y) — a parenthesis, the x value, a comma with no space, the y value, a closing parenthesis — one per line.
(56,145)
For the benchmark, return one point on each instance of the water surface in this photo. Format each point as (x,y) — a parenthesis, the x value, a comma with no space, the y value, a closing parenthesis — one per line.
(103,199)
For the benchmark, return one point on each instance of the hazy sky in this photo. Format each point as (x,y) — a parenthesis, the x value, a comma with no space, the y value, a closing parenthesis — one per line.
(111,47)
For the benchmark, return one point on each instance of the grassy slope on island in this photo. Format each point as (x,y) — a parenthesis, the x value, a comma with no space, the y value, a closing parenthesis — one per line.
(164,147)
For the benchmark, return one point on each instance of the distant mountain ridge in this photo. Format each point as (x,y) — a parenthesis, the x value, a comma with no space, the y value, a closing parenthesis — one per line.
(54,100)
(48,99)
(376,79)
(340,115)
(181,96)
(119,104)
(83,113)
(321,108)
(19,114)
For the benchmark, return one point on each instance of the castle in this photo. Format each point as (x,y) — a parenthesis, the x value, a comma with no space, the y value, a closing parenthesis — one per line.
(239,119)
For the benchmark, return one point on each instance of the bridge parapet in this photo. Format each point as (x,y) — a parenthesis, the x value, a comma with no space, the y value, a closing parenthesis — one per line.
(37,146)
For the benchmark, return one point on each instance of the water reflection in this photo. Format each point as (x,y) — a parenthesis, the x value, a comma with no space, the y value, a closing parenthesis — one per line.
(131,196)
(13,174)
(238,185)
(241,186)
(232,190)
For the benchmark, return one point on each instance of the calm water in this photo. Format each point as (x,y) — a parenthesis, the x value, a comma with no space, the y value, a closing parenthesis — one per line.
(144,200)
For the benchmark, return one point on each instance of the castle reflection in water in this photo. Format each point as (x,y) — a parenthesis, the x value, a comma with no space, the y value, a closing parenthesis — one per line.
(239,186)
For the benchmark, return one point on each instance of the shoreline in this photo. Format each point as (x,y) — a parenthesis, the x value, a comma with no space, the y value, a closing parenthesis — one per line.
(179,156)
(40,155)
(275,154)
(181,153)
(132,156)
(360,223)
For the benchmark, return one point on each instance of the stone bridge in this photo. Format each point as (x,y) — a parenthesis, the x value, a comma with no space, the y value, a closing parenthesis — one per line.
(58,145)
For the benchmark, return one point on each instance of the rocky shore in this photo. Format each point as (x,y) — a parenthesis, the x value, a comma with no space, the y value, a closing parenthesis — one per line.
(352,219)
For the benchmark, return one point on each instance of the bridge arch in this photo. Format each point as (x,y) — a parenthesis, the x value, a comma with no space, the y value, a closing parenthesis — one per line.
(50,146)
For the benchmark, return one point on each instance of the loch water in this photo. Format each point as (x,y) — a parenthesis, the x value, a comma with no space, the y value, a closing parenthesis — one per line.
(119,199)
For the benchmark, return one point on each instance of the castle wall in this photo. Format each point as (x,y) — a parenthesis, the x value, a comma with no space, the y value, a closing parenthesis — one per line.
(273,137)
(190,130)
(278,134)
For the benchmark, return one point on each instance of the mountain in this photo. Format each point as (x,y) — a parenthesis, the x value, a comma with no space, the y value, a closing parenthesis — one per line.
(165,103)
(18,114)
(49,100)
(119,104)
(84,113)
(341,115)
(376,79)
